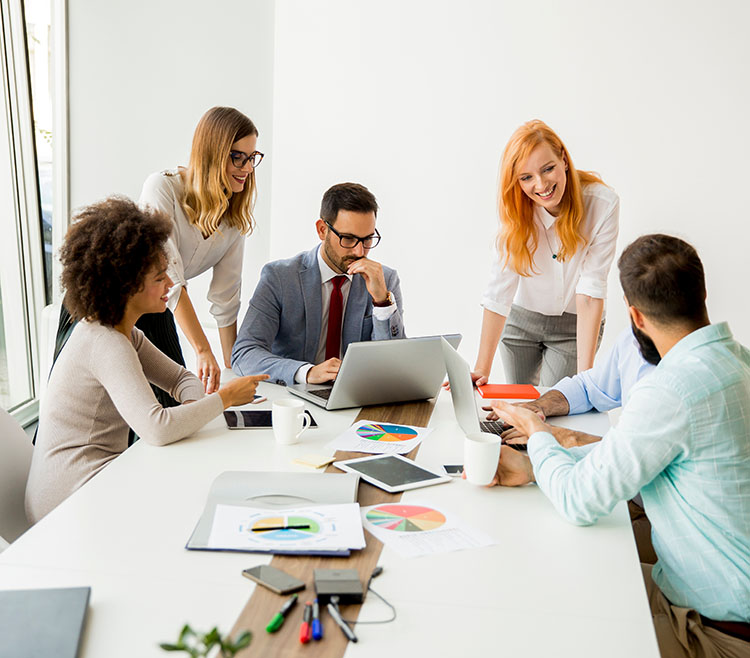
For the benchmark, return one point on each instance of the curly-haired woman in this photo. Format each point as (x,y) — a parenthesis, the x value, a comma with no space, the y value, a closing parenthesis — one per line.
(558,228)
(114,271)
(210,205)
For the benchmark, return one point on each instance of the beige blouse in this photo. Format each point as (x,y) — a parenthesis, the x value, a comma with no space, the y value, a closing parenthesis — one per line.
(190,254)
(98,388)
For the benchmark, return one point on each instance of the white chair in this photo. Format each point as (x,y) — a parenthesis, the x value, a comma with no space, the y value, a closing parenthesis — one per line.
(15,460)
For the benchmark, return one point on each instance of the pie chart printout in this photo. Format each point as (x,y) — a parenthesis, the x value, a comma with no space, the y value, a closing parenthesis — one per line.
(405,518)
(284,535)
(383,432)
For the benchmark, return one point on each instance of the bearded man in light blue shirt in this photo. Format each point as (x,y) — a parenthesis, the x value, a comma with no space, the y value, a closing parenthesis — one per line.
(683,442)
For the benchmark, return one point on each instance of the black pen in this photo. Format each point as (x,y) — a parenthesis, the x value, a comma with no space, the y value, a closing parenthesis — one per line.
(333,610)
(282,527)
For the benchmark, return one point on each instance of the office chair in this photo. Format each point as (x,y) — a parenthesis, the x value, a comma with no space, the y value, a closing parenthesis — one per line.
(15,460)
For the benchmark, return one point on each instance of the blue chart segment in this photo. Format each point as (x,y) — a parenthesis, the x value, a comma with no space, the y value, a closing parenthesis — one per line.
(383,432)
(295,534)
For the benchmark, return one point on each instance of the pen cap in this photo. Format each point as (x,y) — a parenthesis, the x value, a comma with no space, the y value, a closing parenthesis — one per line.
(275,623)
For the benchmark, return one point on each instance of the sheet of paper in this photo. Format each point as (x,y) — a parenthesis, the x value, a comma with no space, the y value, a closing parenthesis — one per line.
(416,529)
(320,528)
(380,438)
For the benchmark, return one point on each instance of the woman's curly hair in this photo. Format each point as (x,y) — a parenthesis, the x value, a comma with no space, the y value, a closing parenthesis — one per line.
(106,255)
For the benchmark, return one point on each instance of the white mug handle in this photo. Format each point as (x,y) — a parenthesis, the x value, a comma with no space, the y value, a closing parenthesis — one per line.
(305,423)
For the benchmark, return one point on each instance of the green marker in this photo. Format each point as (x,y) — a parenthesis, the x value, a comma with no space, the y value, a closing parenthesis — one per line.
(278,619)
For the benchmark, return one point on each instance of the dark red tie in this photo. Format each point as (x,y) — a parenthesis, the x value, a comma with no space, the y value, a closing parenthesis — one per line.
(335,312)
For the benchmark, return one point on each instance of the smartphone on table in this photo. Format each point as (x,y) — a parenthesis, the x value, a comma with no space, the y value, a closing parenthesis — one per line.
(274,579)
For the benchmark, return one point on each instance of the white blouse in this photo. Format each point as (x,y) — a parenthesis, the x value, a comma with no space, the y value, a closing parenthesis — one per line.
(553,289)
(190,254)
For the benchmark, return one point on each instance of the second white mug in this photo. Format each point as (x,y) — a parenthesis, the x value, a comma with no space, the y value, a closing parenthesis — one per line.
(289,420)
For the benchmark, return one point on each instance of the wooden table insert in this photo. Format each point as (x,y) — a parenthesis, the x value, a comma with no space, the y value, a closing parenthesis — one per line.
(264,604)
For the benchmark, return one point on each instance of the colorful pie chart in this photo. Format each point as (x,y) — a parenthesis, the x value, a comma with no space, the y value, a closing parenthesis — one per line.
(284,535)
(405,518)
(383,432)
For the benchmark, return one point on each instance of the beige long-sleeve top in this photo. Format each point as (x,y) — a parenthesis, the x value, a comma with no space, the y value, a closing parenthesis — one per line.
(190,254)
(98,388)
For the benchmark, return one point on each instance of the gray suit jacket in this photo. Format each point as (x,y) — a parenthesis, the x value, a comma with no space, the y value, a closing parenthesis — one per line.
(282,327)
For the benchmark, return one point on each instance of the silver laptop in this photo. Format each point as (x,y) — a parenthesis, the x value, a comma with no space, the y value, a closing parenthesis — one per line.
(462,392)
(383,371)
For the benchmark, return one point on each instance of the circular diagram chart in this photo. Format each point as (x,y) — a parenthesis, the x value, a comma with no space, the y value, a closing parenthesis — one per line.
(289,534)
(383,432)
(405,518)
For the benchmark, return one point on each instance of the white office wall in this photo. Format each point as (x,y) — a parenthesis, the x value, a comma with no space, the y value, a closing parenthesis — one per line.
(142,72)
(417,99)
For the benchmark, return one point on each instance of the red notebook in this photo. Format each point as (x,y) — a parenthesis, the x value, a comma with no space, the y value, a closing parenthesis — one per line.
(513,391)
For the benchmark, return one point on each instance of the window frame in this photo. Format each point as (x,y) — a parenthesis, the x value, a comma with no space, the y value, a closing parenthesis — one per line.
(24,185)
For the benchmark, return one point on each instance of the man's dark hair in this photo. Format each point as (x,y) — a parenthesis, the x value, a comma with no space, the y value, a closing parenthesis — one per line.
(106,255)
(662,276)
(347,196)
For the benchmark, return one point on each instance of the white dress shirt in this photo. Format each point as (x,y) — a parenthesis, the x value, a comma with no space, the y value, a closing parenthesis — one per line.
(326,276)
(190,254)
(552,290)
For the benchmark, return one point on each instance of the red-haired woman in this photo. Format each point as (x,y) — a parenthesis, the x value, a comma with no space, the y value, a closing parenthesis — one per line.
(558,229)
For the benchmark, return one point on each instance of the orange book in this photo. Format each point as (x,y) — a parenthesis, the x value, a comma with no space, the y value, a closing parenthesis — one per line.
(512,391)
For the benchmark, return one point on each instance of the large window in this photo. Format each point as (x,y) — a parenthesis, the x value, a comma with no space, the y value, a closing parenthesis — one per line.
(28,185)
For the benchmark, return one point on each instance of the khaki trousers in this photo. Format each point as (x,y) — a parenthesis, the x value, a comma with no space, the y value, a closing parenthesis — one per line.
(681,633)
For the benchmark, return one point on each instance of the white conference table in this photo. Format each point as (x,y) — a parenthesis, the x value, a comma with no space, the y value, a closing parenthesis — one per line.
(546,588)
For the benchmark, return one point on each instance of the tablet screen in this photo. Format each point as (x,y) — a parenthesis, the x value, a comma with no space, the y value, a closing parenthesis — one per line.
(392,471)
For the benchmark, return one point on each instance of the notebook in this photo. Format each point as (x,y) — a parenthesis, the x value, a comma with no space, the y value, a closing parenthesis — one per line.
(42,622)
(508,391)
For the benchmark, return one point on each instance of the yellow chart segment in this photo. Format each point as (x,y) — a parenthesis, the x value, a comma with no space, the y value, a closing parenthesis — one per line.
(273,522)
(426,524)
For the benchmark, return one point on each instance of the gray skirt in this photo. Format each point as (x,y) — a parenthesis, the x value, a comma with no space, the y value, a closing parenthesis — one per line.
(540,349)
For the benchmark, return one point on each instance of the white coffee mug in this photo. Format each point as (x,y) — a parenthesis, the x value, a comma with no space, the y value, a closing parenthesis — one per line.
(481,454)
(289,420)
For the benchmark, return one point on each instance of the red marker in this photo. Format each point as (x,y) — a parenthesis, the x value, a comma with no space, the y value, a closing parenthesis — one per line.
(305,631)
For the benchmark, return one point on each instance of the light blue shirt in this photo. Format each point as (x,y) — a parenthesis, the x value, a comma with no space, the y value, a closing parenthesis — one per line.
(683,441)
(608,384)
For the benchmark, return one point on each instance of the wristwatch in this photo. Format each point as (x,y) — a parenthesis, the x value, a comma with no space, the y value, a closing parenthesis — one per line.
(388,301)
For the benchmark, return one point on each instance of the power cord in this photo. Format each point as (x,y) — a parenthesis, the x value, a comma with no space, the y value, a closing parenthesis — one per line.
(375,573)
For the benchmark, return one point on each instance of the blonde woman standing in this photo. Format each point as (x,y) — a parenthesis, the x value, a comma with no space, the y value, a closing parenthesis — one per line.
(210,204)
(558,229)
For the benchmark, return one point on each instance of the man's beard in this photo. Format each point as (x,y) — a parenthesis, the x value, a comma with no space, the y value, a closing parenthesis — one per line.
(646,346)
(342,264)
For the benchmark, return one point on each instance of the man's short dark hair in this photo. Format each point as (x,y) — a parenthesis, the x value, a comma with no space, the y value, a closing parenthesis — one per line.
(662,276)
(106,256)
(347,196)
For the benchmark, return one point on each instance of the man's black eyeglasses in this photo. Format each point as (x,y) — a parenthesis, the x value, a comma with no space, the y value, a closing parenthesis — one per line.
(351,241)
(239,158)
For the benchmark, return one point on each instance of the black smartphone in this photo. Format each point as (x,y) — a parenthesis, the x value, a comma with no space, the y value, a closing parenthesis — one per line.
(259,419)
(274,579)
(453,469)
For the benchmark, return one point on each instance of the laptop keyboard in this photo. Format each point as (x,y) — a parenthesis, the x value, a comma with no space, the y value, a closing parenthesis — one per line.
(493,426)
(496,427)
(323,393)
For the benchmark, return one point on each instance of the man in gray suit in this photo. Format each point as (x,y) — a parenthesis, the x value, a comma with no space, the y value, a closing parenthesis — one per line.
(307,309)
